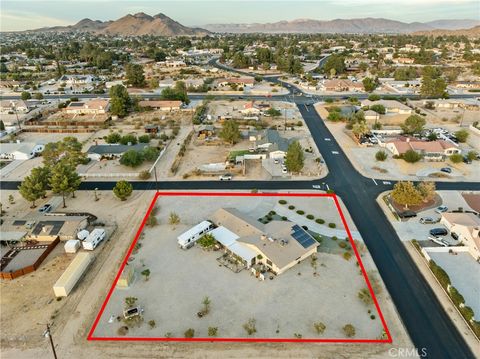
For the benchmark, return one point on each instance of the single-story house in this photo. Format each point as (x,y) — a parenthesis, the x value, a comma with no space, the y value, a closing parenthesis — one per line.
(251,109)
(431,150)
(97,152)
(391,106)
(239,81)
(467,227)
(71,80)
(271,141)
(12,106)
(340,85)
(92,107)
(277,245)
(403,60)
(19,151)
(205,131)
(164,105)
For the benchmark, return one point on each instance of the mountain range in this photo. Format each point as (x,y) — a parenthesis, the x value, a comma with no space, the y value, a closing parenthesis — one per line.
(161,25)
(131,25)
(362,26)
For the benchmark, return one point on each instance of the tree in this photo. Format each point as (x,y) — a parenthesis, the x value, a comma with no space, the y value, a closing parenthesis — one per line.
(113,137)
(360,128)
(128,139)
(230,132)
(456,158)
(134,74)
(427,190)
(462,135)
(295,157)
(378,108)
(38,96)
(432,84)
(381,155)
(41,175)
(405,193)
(31,189)
(68,151)
(335,62)
(413,124)
(144,139)
(122,190)
(472,155)
(207,241)
(369,84)
(173,219)
(153,83)
(119,100)
(146,274)
(2,126)
(150,153)
(411,156)
(64,180)
(26,95)
(132,158)
(273,112)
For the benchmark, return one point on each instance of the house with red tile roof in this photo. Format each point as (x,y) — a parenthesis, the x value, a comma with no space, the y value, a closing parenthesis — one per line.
(430,150)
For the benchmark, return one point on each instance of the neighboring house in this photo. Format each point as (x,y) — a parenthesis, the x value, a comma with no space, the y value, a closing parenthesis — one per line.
(340,85)
(371,115)
(12,106)
(403,60)
(97,152)
(467,227)
(402,87)
(430,150)
(466,84)
(19,151)
(110,84)
(277,245)
(92,107)
(71,80)
(251,109)
(239,81)
(205,131)
(391,106)
(271,142)
(164,105)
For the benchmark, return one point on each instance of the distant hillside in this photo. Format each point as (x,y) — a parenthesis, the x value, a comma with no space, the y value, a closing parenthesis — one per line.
(130,25)
(362,26)
(473,32)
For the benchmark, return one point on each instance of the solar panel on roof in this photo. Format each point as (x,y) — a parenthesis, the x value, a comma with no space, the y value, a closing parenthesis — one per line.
(302,237)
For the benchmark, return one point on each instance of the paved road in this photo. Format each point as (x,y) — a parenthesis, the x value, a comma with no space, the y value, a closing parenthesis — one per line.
(427,323)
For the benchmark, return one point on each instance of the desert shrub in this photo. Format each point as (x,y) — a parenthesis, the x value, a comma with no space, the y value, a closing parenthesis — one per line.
(212,331)
(349,330)
(381,156)
(319,327)
(411,156)
(301,212)
(320,221)
(249,326)
(144,175)
(189,333)
(347,256)
(332,225)
(456,158)
(310,216)
(282,201)
(291,207)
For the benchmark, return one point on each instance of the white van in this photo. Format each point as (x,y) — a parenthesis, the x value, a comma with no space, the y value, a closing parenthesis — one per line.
(93,239)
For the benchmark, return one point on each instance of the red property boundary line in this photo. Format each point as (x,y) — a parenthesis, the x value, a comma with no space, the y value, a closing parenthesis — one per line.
(90,336)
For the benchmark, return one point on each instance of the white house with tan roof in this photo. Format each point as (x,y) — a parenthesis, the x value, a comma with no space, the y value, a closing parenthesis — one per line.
(430,150)
(467,227)
(277,245)
(391,106)
(93,107)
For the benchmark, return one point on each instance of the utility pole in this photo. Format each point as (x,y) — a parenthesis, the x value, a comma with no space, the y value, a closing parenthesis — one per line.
(48,334)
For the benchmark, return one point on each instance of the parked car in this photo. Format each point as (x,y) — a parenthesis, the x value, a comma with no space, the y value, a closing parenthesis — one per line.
(454,236)
(438,232)
(284,169)
(45,208)
(276,161)
(226,177)
(467,160)
(407,214)
(441,209)
(446,169)
(439,241)
(428,220)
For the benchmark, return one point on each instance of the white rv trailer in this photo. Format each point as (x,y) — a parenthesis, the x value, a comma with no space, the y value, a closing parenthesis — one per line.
(188,238)
(93,239)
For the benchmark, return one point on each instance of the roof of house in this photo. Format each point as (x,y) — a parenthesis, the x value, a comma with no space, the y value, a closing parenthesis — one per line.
(278,142)
(96,104)
(386,103)
(23,147)
(404,144)
(115,149)
(462,219)
(343,83)
(237,222)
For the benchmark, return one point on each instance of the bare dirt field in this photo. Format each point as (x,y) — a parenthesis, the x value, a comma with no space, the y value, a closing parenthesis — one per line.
(72,323)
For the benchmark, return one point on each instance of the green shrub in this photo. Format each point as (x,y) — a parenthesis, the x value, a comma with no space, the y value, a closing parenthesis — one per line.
(144,139)
(320,221)
(347,256)
(291,207)
(467,313)
(456,158)
(381,155)
(411,156)
(189,333)
(462,135)
(457,298)
(441,275)
(349,330)
(301,212)
(282,201)
(342,244)
(332,225)
(284,218)
(310,216)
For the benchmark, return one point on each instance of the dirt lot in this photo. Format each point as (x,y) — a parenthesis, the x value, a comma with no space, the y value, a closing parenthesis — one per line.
(71,326)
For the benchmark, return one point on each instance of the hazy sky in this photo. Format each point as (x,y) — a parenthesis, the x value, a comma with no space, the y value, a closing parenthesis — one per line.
(30,14)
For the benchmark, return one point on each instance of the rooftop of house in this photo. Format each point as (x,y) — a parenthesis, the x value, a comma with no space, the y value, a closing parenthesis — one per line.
(96,104)
(403,144)
(462,219)
(386,103)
